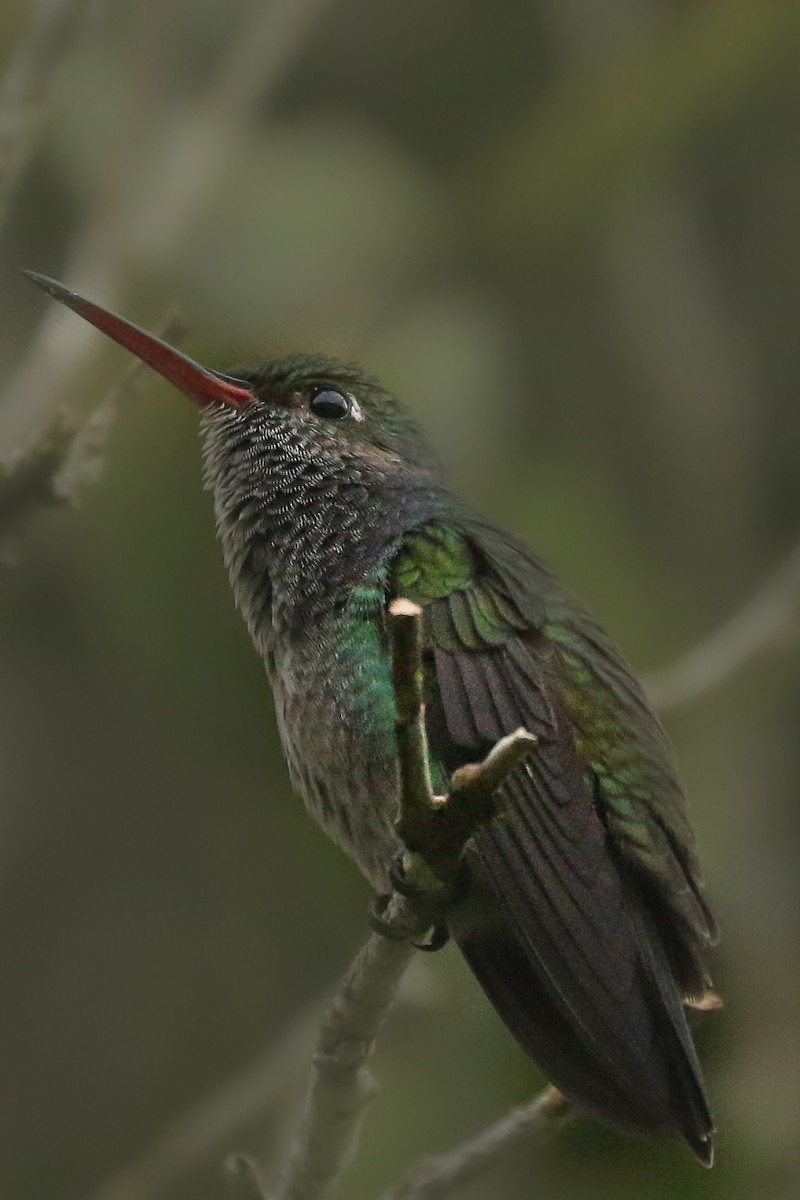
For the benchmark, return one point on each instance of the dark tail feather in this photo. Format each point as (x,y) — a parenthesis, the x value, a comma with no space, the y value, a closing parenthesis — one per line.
(689,1098)
(662,1092)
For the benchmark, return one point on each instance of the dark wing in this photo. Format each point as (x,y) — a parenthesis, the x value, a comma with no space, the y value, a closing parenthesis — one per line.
(564,943)
(616,733)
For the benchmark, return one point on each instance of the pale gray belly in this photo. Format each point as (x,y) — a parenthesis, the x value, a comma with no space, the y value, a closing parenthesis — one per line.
(342,763)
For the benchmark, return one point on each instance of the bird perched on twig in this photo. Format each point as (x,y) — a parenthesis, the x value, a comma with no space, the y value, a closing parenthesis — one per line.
(580,909)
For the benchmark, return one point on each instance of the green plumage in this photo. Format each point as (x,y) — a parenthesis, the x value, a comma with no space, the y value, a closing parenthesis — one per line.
(580,908)
(510,646)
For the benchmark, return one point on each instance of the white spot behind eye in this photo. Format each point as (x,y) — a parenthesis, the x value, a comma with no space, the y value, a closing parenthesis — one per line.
(355,408)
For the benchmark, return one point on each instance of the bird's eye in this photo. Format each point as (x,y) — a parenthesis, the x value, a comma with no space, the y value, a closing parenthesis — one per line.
(329,403)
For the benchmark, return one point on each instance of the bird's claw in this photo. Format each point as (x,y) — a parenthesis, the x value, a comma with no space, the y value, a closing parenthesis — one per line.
(437,938)
(399,879)
(377,919)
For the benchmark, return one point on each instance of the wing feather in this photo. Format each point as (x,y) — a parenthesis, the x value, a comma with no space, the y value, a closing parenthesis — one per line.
(569,953)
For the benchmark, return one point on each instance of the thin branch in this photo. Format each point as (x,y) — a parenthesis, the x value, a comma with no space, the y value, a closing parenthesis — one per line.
(342,1087)
(25,88)
(409,698)
(26,481)
(441,1174)
(745,634)
(485,778)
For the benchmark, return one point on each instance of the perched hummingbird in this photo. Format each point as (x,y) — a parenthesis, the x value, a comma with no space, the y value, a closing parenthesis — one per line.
(581,911)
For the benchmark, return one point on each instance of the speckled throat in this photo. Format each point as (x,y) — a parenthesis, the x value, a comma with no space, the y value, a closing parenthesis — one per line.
(307,532)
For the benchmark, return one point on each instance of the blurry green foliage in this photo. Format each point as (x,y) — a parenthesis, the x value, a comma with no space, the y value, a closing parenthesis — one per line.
(567,233)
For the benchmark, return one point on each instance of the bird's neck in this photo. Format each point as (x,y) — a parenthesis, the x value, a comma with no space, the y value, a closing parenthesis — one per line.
(302,539)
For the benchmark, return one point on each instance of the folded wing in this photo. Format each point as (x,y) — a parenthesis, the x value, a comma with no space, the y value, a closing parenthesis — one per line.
(562,937)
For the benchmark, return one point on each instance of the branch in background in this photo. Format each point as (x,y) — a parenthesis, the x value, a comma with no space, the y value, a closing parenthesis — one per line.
(68,458)
(26,482)
(25,88)
(341,1086)
(752,629)
(559,169)
(146,210)
(440,1174)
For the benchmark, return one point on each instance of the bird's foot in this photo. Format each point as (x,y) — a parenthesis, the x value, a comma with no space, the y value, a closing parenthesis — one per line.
(438,935)
(404,885)
(398,877)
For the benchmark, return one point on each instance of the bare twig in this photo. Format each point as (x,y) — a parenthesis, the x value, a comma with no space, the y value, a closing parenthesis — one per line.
(485,778)
(441,1174)
(407,683)
(25,87)
(750,630)
(341,1086)
(26,481)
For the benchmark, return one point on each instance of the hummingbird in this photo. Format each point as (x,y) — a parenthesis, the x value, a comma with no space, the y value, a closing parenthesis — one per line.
(580,909)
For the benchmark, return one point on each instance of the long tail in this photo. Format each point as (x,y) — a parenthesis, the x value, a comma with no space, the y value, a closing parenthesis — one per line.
(631,1062)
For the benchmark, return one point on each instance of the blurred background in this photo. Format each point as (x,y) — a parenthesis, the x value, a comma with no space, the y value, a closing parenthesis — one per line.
(566,231)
